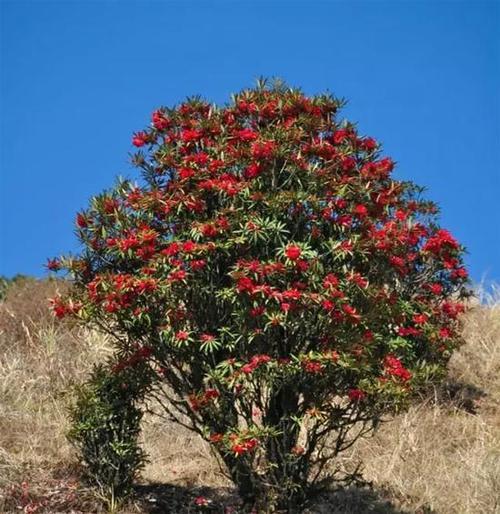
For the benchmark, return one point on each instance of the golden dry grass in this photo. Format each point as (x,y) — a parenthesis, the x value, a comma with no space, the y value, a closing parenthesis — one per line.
(442,456)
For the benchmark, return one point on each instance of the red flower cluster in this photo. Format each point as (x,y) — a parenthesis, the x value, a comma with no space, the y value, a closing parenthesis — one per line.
(126,289)
(255,362)
(394,367)
(199,401)
(239,448)
(314,367)
(61,308)
(140,139)
(53,264)
(356,395)
(441,240)
(263,150)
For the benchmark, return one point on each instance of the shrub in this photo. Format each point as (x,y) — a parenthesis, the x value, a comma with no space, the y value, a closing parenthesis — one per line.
(105,425)
(279,290)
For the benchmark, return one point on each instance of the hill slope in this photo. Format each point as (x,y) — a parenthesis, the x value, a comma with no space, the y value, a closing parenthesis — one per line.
(442,456)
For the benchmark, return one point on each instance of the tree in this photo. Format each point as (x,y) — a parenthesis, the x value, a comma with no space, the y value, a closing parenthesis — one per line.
(278,291)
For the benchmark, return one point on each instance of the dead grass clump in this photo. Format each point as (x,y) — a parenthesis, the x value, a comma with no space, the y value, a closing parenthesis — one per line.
(39,359)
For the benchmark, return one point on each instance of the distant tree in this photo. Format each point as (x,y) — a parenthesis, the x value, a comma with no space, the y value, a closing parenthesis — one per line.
(6,282)
(268,283)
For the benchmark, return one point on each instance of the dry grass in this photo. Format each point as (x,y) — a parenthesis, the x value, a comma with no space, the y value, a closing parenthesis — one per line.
(39,360)
(442,456)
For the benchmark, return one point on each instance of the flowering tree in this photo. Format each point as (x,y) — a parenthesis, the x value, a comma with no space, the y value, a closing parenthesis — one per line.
(277,289)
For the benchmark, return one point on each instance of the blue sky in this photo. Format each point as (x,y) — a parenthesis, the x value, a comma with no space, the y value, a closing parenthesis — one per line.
(78,77)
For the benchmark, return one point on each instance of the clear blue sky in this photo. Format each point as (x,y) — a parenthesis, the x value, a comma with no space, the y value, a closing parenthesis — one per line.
(78,77)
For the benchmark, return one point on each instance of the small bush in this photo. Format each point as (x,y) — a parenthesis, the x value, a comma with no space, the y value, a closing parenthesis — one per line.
(105,428)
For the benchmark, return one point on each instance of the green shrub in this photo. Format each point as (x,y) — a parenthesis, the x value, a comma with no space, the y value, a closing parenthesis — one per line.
(105,425)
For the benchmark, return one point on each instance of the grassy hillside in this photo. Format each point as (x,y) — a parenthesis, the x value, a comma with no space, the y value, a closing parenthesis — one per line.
(443,456)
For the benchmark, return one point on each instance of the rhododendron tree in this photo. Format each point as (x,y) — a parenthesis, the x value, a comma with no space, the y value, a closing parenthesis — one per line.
(277,288)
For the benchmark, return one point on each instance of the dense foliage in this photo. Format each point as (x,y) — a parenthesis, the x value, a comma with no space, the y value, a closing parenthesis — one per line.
(276,288)
(105,425)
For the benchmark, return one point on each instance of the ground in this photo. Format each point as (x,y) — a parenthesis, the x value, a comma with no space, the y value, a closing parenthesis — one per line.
(442,456)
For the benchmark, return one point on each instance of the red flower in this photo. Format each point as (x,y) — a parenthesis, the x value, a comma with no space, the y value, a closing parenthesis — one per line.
(435,288)
(257,311)
(200,158)
(339,136)
(211,394)
(188,135)
(255,362)
(209,230)
(253,170)
(356,395)
(293,252)
(385,166)
(171,250)
(244,447)
(239,449)
(246,135)
(292,294)
(198,264)
(459,273)
(59,308)
(110,205)
(188,246)
(420,319)
(396,261)
(160,122)
(351,312)
(359,280)
(361,210)
(302,265)
(445,333)
(400,215)
(263,150)
(245,284)
(313,366)
(328,305)
(367,144)
(246,107)
(368,335)
(330,281)
(394,367)
(215,438)
(201,501)
(348,163)
(140,139)
(344,220)
(53,264)
(182,335)
(441,239)
(408,331)
(248,368)
(175,276)
(452,309)
(81,220)
(185,173)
